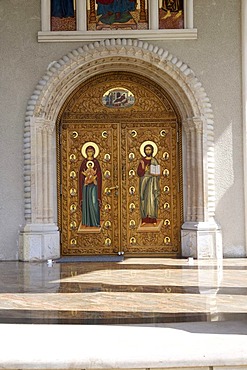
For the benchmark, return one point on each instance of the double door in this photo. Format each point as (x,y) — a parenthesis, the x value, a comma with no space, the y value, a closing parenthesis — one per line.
(120,189)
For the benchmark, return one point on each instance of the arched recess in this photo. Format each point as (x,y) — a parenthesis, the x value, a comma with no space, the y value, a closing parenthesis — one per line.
(201,236)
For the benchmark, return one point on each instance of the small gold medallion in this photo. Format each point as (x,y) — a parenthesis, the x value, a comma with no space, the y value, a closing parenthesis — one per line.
(107,157)
(132,224)
(167,240)
(132,240)
(162,133)
(107,224)
(132,207)
(72,175)
(131,156)
(73,207)
(107,242)
(72,192)
(74,134)
(131,173)
(132,190)
(73,225)
(166,156)
(133,133)
(166,189)
(107,174)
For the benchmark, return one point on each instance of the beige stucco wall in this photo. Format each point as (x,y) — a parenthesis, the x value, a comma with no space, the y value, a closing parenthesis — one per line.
(215,57)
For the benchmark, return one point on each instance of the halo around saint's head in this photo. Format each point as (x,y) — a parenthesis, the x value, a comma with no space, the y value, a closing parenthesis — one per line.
(90,163)
(148,142)
(86,145)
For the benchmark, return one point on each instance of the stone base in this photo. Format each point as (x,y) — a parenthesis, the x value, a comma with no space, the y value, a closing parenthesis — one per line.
(175,346)
(201,240)
(39,242)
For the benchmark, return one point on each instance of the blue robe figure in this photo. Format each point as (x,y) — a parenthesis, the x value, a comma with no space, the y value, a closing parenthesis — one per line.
(62,8)
(112,11)
(90,188)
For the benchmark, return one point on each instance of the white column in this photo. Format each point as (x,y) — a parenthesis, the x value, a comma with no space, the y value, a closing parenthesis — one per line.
(199,169)
(188,14)
(81,15)
(189,190)
(244,101)
(193,173)
(45,15)
(153,6)
(45,164)
(51,178)
(44,183)
(194,170)
(200,238)
(37,156)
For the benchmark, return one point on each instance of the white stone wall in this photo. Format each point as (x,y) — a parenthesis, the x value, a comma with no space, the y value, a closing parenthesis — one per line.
(214,57)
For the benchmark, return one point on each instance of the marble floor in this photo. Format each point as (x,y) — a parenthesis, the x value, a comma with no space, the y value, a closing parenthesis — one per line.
(135,291)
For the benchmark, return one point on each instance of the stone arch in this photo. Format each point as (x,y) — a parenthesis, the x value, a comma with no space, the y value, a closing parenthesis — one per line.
(200,234)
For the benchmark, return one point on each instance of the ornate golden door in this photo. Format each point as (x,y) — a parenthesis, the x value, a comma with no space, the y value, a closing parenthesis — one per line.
(120,171)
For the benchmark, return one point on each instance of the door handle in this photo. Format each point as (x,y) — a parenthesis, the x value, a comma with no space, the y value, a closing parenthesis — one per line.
(113,187)
(108,190)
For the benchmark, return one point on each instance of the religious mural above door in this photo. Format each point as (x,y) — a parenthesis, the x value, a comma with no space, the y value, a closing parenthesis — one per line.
(118,97)
(171,14)
(63,15)
(110,15)
(117,14)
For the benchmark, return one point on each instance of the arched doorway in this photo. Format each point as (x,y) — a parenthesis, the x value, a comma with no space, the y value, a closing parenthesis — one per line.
(122,199)
(200,234)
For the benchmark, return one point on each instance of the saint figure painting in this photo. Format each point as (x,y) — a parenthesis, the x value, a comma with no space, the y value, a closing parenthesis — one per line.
(149,189)
(90,185)
(111,11)
(62,8)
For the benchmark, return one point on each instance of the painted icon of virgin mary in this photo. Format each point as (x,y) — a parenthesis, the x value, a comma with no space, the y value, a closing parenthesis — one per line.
(90,186)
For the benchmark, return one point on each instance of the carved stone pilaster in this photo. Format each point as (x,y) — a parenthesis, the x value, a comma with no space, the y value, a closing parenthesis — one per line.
(201,237)
(42,178)
(199,215)
(40,238)
(194,167)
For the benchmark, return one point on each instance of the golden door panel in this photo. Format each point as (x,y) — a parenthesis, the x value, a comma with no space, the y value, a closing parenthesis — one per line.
(120,189)
(127,199)
(89,205)
(150,191)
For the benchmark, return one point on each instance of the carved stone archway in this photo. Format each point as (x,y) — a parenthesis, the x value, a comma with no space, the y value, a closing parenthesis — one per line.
(201,236)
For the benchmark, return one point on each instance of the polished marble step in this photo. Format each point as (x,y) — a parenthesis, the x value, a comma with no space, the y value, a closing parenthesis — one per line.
(135,291)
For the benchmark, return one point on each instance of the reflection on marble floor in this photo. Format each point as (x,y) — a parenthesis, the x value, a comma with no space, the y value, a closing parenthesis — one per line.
(133,291)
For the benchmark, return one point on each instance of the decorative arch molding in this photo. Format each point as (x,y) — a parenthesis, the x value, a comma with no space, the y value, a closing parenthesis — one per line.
(201,237)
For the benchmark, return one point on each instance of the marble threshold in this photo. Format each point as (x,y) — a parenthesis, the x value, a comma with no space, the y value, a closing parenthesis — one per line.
(215,345)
